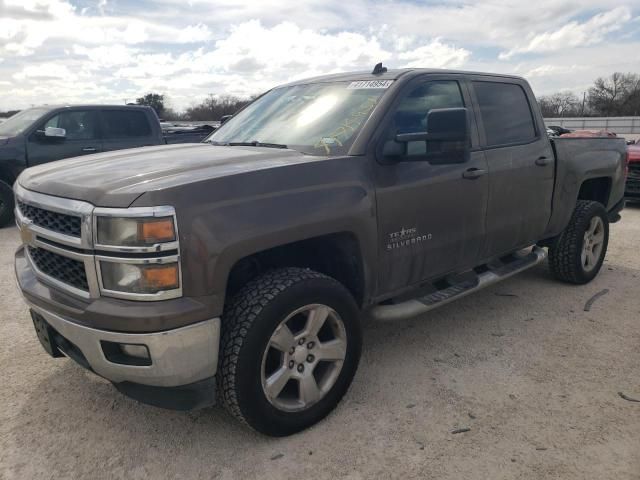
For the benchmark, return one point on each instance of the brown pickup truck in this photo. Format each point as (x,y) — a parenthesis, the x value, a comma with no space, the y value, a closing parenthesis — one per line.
(242,268)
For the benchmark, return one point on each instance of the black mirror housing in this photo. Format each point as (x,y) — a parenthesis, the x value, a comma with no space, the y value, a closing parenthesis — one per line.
(448,132)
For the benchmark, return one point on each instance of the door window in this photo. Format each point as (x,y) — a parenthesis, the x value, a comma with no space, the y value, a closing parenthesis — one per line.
(505,113)
(125,124)
(410,115)
(79,125)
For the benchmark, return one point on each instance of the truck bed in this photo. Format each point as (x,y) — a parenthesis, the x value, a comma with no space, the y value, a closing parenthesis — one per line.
(577,161)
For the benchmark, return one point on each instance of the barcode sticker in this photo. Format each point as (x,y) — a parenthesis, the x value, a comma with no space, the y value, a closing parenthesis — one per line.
(369,84)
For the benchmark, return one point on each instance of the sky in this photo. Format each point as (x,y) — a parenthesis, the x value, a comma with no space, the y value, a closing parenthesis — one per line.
(114,51)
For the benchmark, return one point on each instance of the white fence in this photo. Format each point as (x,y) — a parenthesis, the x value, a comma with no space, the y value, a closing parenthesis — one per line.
(619,125)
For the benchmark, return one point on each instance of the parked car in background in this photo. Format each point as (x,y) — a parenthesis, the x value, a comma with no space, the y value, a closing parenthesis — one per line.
(186,133)
(558,130)
(632,191)
(45,134)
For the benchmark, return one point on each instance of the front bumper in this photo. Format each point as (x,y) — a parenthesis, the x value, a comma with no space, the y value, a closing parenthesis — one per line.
(182,361)
(178,357)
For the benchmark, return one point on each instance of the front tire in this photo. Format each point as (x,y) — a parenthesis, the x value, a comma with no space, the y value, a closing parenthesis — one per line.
(290,347)
(576,256)
(6,204)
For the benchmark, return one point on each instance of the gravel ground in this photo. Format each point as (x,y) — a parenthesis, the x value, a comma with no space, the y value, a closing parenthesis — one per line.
(532,375)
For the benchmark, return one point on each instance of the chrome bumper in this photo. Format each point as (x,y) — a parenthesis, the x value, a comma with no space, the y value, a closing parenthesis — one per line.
(178,357)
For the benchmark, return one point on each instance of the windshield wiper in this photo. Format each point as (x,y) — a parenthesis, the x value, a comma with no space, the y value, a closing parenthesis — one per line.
(256,143)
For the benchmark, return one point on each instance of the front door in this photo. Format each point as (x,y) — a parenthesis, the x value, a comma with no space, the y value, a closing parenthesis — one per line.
(431,216)
(82,137)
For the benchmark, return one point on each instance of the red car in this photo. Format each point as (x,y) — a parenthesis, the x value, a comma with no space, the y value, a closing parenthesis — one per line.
(632,190)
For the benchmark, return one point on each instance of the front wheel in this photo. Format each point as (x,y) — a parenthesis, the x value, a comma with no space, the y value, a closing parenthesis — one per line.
(576,256)
(290,348)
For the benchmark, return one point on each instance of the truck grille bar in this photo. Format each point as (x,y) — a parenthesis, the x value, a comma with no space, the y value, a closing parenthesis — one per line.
(64,269)
(633,180)
(58,222)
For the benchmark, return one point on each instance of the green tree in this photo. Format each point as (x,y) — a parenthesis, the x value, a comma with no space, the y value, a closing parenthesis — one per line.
(154,100)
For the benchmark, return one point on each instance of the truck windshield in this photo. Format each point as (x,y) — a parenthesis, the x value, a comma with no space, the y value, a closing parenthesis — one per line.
(20,121)
(316,119)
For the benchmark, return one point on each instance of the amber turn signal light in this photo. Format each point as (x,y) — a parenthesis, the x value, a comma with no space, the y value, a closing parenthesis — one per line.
(156,230)
(163,277)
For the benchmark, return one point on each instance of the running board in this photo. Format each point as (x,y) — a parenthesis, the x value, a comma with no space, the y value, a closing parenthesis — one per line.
(418,306)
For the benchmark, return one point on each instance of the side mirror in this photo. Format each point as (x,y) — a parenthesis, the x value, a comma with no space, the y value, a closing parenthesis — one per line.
(447,138)
(54,132)
(224,118)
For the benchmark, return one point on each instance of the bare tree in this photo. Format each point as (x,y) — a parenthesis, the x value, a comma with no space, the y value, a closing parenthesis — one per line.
(617,95)
(215,106)
(560,104)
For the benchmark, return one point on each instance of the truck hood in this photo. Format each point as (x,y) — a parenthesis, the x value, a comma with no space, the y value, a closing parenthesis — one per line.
(116,179)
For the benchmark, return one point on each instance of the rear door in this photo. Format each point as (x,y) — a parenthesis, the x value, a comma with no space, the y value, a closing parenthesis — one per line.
(126,128)
(520,161)
(431,215)
(82,136)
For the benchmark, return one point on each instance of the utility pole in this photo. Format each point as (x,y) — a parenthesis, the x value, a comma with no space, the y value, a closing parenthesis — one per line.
(584,99)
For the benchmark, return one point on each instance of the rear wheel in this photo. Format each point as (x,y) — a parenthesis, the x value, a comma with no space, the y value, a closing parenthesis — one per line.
(290,348)
(576,256)
(6,204)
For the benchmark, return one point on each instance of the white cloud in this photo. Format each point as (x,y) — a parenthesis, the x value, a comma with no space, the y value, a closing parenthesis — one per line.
(44,71)
(575,34)
(435,55)
(106,56)
(117,50)
(547,70)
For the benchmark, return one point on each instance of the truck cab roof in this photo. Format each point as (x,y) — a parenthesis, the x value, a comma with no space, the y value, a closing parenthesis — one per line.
(393,74)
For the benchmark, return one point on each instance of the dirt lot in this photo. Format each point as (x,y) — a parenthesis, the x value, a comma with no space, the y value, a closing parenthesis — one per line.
(534,376)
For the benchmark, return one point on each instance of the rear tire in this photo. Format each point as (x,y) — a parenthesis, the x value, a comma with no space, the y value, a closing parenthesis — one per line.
(290,347)
(6,204)
(577,254)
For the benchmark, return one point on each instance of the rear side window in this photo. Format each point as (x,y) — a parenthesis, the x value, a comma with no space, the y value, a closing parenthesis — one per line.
(124,124)
(505,113)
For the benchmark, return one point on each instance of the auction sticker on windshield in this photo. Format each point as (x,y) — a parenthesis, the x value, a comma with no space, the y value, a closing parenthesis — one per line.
(369,84)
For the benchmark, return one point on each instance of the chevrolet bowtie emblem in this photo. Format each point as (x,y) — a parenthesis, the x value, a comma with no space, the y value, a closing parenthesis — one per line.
(26,234)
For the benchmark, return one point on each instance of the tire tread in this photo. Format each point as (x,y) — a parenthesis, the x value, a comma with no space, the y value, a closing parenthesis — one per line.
(566,248)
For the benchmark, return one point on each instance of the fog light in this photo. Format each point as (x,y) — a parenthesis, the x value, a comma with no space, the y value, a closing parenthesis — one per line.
(126,353)
(139,351)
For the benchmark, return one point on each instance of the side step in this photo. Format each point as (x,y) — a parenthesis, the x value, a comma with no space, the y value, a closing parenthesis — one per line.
(493,274)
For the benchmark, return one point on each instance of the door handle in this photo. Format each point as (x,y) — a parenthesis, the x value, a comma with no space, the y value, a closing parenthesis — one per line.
(89,149)
(473,173)
(542,161)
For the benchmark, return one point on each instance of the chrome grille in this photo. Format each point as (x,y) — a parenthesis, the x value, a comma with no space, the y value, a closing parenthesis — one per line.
(59,267)
(57,222)
(633,179)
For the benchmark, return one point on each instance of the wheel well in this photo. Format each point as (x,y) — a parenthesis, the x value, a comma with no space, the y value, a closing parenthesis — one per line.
(7,176)
(596,189)
(336,255)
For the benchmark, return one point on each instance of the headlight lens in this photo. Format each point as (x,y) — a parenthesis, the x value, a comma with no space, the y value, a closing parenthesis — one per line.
(135,231)
(140,278)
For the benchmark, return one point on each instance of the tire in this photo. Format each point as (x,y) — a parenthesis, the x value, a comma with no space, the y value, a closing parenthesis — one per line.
(249,356)
(6,204)
(566,254)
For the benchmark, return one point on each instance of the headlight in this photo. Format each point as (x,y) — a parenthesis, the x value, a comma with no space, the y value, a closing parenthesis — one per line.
(140,278)
(135,231)
(147,265)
